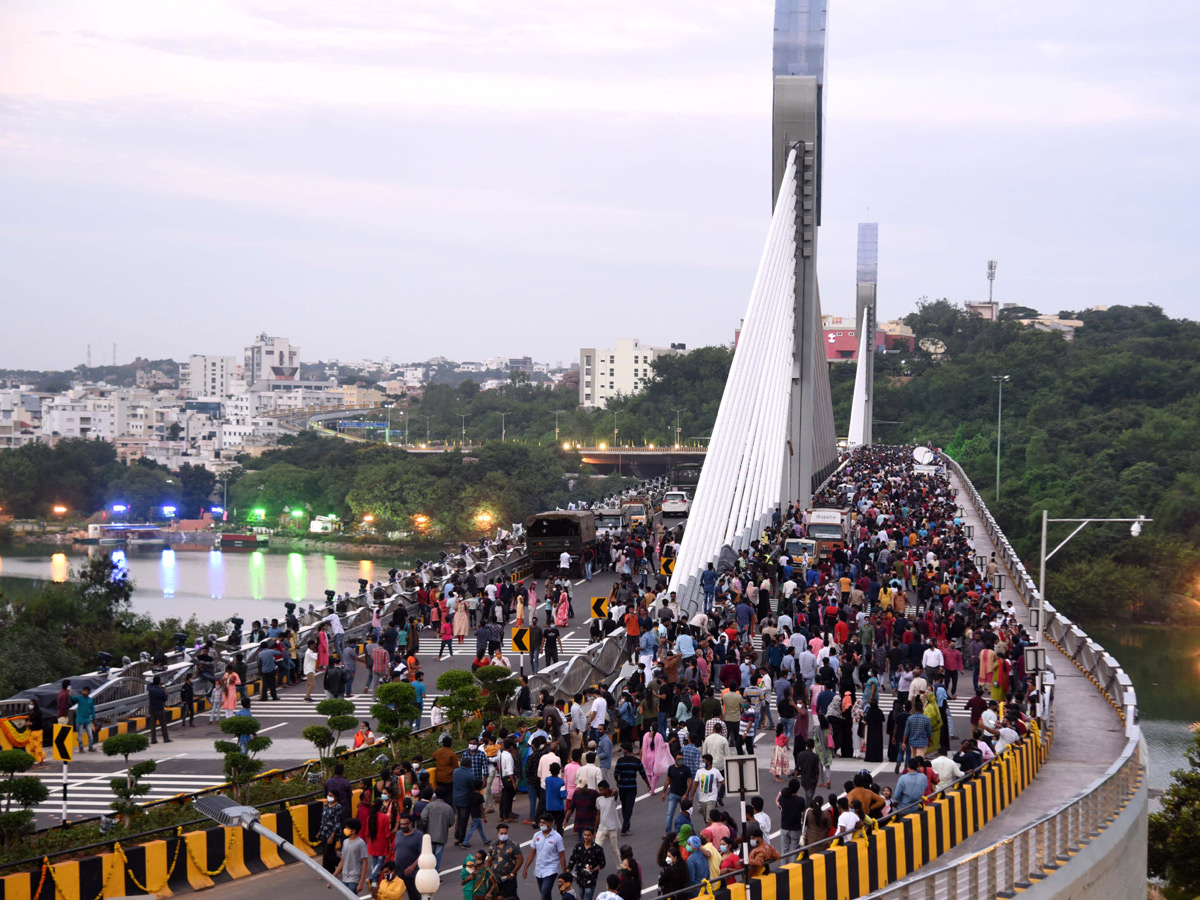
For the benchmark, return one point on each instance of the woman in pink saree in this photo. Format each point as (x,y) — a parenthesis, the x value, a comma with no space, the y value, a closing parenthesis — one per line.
(648,758)
(560,613)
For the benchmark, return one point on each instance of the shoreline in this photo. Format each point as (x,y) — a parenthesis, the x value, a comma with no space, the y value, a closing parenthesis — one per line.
(281,542)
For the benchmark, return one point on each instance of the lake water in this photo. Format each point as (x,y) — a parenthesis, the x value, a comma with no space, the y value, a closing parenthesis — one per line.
(1164,664)
(209,584)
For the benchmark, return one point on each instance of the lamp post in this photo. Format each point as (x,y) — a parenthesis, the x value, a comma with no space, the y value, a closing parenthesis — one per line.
(224,811)
(503,432)
(427,880)
(463,416)
(426,418)
(1039,624)
(999,379)
(677,412)
(387,432)
(614,428)
(557,413)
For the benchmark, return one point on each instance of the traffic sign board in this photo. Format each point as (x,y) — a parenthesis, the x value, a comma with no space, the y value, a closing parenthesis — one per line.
(599,607)
(520,640)
(667,566)
(64,742)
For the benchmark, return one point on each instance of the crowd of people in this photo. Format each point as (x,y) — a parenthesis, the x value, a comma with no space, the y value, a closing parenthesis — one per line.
(898,617)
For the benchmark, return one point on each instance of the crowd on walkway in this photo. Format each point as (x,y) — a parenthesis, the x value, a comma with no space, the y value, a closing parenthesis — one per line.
(899,618)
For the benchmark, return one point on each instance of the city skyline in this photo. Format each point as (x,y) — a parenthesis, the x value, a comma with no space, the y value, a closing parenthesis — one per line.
(460,174)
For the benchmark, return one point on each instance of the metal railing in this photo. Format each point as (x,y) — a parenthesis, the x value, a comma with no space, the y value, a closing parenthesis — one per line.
(1020,859)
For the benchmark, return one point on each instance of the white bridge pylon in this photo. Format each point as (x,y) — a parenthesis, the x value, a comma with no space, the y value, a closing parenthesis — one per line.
(742,480)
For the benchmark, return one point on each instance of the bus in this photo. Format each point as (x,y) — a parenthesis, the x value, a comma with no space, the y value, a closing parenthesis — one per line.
(684,477)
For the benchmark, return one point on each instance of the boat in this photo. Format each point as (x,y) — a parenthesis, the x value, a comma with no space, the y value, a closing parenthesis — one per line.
(120,534)
(231,541)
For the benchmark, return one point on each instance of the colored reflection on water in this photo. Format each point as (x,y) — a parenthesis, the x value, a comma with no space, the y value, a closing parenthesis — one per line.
(366,569)
(168,573)
(257,571)
(60,569)
(216,574)
(297,577)
(331,573)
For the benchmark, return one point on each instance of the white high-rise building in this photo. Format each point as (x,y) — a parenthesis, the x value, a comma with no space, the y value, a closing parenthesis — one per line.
(208,376)
(271,359)
(625,369)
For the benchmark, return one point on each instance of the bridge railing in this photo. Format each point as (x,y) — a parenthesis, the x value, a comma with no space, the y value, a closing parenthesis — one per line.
(1017,860)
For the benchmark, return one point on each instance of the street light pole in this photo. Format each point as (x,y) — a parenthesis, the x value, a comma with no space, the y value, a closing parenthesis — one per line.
(1135,529)
(614,428)
(426,418)
(463,416)
(503,416)
(999,379)
(557,413)
(677,412)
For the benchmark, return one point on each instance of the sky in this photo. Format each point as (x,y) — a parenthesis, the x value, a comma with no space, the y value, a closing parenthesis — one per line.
(411,178)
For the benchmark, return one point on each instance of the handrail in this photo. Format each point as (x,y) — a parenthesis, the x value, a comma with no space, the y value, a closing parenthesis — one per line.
(1024,856)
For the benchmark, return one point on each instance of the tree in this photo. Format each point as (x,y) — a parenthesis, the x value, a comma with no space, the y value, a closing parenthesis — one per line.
(462,699)
(500,684)
(241,762)
(129,788)
(24,793)
(1175,828)
(395,706)
(196,483)
(341,718)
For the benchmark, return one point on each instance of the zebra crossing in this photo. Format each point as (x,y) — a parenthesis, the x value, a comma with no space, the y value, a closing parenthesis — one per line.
(91,795)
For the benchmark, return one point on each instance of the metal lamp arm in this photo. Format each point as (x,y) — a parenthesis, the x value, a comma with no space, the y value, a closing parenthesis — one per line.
(292,850)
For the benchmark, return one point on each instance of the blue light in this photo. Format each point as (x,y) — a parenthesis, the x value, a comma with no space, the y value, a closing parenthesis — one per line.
(218,509)
(169,511)
(120,508)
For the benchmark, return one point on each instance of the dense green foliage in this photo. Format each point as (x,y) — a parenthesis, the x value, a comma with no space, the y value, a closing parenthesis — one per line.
(1106,425)
(1175,829)
(86,477)
(57,629)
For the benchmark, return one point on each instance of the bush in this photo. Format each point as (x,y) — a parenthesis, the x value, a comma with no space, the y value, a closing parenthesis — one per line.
(24,793)
(129,788)
(241,763)
(500,683)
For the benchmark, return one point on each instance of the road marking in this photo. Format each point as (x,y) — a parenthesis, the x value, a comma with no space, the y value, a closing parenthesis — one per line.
(269,728)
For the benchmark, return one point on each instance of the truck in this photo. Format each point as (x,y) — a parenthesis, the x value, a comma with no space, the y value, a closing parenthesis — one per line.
(548,534)
(829,528)
(638,509)
(612,519)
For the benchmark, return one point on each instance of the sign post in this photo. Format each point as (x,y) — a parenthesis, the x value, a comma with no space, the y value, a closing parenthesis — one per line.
(520,646)
(599,607)
(741,777)
(64,745)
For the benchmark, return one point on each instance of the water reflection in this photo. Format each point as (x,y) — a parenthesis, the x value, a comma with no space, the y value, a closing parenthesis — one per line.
(297,577)
(216,574)
(257,566)
(366,569)
(168,573)
(59,568)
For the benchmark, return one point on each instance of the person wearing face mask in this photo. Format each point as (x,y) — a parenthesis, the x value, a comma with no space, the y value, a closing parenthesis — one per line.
(408,848)
(506,862)
(327,832)
(674,874)
(630,870)
(762,851)
(352,869)
(548,857)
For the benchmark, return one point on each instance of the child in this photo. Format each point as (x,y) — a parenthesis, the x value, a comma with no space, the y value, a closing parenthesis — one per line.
(566,882)
(475,812)
(352,869)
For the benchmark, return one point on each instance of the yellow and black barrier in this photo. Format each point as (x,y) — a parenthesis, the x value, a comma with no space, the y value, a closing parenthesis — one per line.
(185,861)
(874,858)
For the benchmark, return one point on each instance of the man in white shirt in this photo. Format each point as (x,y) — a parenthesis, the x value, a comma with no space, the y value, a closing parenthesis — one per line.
(918,686)
(564,562)
(932,660)
(947,769)
(338,633)
(598,714)
(1008,736)
(788,588)
(589,773)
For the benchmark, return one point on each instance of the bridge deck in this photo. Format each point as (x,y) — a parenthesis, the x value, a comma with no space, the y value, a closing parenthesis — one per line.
(1088,734)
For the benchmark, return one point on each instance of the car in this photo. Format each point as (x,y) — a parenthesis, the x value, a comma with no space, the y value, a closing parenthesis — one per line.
(675,503)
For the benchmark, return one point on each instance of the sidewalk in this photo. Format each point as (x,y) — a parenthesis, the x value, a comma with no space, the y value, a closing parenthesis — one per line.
(1088,735)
